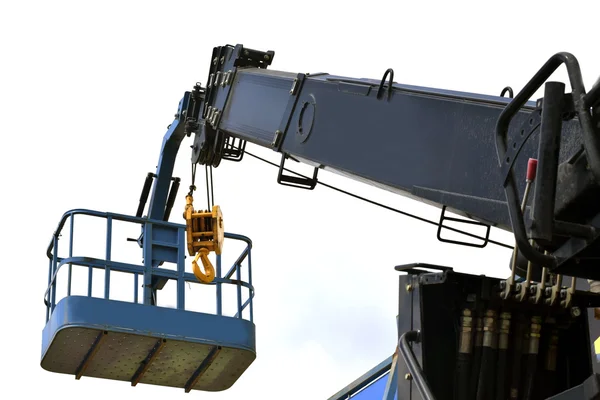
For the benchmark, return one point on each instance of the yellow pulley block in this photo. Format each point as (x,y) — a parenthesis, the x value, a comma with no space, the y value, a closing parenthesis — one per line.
(205,234)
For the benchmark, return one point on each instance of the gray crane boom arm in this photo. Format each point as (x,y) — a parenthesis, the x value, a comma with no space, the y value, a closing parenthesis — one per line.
(467,152)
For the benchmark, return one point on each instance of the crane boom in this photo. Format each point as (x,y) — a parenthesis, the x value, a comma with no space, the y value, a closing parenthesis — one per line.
(461,151)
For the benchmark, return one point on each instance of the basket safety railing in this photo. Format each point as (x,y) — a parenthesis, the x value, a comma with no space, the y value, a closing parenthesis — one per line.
(161,241)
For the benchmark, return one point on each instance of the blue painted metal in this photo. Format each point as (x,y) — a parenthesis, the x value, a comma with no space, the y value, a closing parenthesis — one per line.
(164,241)
(148,267)
(371,385)
(70,277)
(54,270)
(108,255)
(181,272)
(159,322)
(219,288)
(166,162)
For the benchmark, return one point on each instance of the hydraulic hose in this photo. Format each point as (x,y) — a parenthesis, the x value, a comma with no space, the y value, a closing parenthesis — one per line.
(463,360)
(485,387)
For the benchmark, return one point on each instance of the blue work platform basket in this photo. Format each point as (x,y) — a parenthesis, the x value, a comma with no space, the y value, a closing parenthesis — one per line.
(138,341)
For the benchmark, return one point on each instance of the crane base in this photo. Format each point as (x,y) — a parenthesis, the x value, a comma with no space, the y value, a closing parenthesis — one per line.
(138,343)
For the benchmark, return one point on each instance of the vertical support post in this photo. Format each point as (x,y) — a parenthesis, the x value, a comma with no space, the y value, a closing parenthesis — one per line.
(180,269)
(54,267)
(90,279)
(219,287)
(238,275)
(50,291)
(148,264)
(547,171)
(250,283)
(135,287)
(108,255)
(71,230)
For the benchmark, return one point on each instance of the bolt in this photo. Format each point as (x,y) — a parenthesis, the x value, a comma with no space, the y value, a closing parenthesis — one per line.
(548,291)
(409,288)
(502,285)
(518,287)
(533,290)
(408,377)
(575,312)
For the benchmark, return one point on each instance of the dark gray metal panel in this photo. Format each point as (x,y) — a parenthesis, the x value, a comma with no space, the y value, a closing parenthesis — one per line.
(437,146)
(257,102)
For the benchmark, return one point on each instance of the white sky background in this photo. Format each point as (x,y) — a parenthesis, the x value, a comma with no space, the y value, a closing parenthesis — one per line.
(87,90)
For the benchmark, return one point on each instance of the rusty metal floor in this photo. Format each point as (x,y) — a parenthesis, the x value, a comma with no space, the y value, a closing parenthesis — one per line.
(147,344)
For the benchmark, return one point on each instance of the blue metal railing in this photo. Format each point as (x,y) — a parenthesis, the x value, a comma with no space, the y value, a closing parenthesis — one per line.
(148,271)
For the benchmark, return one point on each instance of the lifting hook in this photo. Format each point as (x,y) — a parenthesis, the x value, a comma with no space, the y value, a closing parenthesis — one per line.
(209,274)
(205,233)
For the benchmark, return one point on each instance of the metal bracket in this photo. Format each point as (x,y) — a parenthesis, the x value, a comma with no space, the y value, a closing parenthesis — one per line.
(390,87)
(234,149)
(280,133)
(223,69)
(590,139)
(514,145)
(296,181)
(414,268)
(464,221)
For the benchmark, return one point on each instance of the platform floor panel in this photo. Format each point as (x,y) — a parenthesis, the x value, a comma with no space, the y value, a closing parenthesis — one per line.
(85,337)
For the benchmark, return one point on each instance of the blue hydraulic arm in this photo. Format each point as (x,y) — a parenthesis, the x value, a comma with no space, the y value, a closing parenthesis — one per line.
(166,161)
(161,201)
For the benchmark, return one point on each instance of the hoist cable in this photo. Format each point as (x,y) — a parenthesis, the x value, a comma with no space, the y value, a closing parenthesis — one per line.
(193,185)
(207,188)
